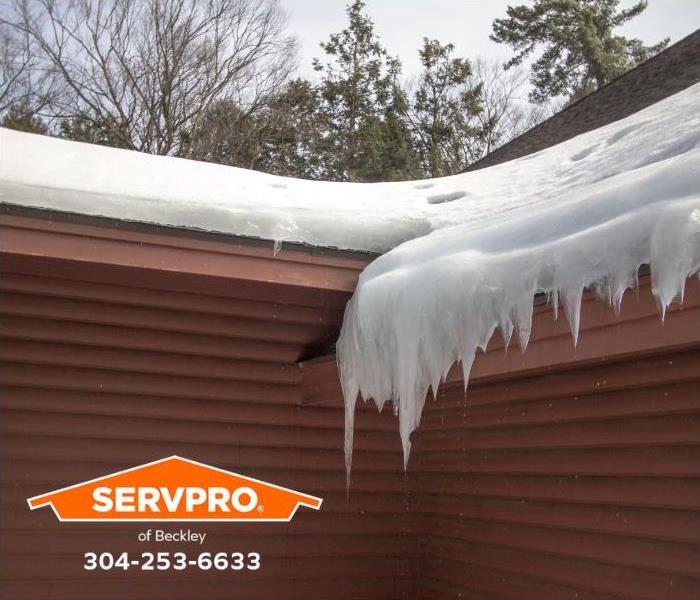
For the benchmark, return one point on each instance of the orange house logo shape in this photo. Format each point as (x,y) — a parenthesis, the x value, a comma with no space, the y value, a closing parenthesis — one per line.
(174,489)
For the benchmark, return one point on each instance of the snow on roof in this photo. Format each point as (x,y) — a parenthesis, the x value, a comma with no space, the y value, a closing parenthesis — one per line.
(584,213)
(46,172)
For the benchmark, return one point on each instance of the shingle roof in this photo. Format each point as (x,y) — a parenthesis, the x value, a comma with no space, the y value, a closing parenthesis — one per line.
(665,74)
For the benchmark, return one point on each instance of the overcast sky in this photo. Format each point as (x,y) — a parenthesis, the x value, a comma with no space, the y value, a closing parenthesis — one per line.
(402,24)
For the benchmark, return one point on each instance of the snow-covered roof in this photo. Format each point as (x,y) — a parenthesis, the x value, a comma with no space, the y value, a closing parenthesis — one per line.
(584,213)
(45,172)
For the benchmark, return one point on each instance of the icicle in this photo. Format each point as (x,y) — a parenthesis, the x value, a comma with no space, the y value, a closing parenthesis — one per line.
(523,320)
(437,299)
(349,437)
(661,306)
(621,285)
(434,387)
(572,308)
(554,301)
(467,363)
(485,337)
(506,328)
(421,344)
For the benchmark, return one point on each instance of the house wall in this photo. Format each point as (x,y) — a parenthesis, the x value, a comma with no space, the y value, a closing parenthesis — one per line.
(563,473)
(105,368)
(568,473)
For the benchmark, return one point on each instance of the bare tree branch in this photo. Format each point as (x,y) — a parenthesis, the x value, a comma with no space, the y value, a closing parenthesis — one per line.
(148,70)
(505,110)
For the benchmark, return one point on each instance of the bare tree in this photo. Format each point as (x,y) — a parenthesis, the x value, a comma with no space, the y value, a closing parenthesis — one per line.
(22,81)
(14,69)
(501,92)
(144,72)
(505,110)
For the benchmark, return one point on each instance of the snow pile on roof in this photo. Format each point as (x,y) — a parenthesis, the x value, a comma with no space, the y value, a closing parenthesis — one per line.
(584,214)
(43,172)
(51,173)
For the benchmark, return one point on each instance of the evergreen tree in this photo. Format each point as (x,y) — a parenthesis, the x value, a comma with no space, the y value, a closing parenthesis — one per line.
(280,136)
(225,134)
(388,152)
(84,128)
(581,52)
(444,109)
(292,138)
(361,104)
(22,117)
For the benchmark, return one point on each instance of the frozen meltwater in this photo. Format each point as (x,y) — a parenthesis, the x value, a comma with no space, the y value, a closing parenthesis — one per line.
(583,214)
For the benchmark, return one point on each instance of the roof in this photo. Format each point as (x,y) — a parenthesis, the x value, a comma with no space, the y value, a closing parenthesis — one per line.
(71,177)
(584,214)
(665,74)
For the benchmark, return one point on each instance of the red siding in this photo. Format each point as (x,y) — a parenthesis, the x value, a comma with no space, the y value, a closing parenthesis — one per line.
(563,473)
(568,473)
(105,367)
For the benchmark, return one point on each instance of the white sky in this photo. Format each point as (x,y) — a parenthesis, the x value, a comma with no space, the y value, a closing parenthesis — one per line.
(402,24)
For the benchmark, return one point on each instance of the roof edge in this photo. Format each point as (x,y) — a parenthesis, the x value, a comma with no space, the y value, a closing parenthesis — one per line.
(178,231)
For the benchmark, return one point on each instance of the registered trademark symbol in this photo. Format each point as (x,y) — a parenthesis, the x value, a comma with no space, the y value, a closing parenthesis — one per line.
(261,508)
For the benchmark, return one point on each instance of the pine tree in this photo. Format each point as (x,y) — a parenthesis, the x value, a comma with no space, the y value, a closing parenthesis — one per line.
(280,136)
(443,111)
(225,134)
(581,52)
(292,136)
(84,128)
(22,117)
(361,104)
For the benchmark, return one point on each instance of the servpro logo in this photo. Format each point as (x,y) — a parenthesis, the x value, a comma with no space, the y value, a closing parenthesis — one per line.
(174,489)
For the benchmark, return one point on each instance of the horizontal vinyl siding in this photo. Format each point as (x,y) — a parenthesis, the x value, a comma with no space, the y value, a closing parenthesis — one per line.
(580,479)
(97,377)
(562,474)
